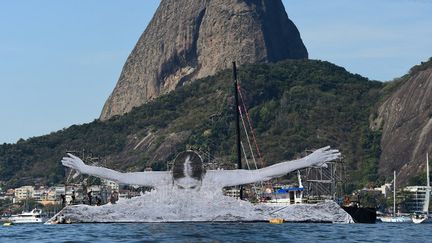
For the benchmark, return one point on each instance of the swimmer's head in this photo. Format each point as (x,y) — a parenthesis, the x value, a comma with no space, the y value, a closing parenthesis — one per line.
(188,170)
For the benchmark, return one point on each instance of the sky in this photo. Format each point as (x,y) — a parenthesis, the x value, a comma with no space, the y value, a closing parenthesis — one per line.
(60,60)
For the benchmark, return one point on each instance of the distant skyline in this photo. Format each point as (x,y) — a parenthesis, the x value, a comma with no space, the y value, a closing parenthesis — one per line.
(60,60)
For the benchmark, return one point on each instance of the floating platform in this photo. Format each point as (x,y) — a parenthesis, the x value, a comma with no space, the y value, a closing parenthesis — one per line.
(156,207)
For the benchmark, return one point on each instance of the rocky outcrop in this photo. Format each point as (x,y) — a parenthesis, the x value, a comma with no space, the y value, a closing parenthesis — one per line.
(191,39)
(406,122)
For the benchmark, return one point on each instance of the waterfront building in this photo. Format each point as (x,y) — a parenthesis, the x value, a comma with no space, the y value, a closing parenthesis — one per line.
(385,189)
(24,192)
(111,184)
(9,194)
(54,193)
(38,194)
(414,198)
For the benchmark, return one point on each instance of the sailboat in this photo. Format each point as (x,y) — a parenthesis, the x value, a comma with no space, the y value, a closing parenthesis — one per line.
(394,218)
(423,217)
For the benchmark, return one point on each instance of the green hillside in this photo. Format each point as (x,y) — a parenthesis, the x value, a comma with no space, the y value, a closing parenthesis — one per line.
(294,105)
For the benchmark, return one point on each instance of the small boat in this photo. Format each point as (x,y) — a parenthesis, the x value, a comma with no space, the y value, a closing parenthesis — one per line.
(34,216)
(423,217)
(285,196)
(276,221)
(395,218)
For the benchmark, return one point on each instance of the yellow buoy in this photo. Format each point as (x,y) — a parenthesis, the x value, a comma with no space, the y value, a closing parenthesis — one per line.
(276,221)
(7,224)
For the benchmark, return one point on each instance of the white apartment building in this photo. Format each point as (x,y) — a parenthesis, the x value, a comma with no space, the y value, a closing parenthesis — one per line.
(111,184)
(415,198)
(24,192)
(385,189)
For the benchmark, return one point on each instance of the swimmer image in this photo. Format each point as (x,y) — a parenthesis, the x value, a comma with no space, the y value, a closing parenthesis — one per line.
(188,172)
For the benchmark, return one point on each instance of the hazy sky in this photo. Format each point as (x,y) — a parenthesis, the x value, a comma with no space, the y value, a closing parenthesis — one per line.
(60,60)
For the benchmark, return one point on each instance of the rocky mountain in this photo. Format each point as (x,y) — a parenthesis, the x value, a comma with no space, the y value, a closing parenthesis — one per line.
(192,39)
(405,118)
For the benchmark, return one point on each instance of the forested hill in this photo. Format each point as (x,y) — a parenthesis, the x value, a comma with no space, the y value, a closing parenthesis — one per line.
(294,105)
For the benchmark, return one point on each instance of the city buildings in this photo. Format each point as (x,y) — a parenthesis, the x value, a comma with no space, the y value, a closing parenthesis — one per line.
(414,198)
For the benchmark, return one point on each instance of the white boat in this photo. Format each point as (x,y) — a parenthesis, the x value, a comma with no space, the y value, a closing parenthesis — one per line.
(286,196)
(34,216)
(395,218)
(423,217)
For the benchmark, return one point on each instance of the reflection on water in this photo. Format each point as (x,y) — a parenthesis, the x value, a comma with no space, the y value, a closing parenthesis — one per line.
(217,232)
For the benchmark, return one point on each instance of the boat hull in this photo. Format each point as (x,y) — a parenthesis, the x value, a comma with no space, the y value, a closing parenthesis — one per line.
(362,215)
(26,221)
(422,220)
(398,219)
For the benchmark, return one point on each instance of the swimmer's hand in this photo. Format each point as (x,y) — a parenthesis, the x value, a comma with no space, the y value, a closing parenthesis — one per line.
(321,156)
(75,163)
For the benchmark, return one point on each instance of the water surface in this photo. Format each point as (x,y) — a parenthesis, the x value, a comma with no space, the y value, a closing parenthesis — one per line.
(217,232)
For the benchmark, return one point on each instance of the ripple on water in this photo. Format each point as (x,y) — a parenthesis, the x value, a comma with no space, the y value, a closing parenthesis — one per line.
(217,232)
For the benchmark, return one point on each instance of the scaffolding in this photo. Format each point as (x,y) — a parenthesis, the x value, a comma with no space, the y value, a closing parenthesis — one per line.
(325,183)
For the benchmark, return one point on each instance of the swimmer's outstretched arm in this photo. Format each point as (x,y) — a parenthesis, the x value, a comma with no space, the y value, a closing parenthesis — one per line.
(146,178)
(239,177)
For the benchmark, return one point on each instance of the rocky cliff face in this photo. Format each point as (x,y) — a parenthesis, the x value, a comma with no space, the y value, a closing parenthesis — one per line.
(191,39)
(406,121)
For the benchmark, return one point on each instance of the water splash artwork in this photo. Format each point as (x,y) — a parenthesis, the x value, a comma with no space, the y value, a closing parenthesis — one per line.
(192,206)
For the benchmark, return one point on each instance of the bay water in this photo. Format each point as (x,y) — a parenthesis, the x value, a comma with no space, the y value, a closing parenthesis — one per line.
(217,232)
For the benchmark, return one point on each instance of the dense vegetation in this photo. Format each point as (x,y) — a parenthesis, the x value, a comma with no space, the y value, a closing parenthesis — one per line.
(294,106)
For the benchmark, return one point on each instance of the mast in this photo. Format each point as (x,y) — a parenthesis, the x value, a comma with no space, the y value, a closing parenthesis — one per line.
(394,193)
(428,188)
(427,171)
(237,107)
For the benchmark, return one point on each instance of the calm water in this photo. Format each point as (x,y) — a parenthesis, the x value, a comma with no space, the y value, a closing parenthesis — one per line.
(217,232)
